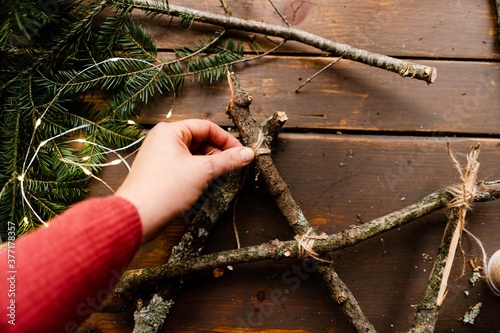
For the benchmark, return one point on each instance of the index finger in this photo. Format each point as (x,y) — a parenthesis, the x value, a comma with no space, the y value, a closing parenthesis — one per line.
(197,132)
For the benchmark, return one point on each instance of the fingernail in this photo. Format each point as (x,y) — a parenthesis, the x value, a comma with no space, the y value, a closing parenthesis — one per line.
(246,154)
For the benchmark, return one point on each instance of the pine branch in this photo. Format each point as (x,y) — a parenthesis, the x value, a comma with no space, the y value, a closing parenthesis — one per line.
(84,17)
(40,174)
(217,62)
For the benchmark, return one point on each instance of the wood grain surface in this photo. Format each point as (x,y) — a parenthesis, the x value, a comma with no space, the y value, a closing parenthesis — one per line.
(360,143)
(351,96)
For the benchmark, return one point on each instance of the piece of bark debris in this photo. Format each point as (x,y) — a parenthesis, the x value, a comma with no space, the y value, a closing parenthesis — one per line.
(476,276)
(475,268)
(218,272)
(471,315)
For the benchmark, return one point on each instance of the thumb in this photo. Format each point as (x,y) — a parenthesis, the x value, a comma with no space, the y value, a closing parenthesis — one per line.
(231,159)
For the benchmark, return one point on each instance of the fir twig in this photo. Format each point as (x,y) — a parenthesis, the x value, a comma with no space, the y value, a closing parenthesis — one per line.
(40,172)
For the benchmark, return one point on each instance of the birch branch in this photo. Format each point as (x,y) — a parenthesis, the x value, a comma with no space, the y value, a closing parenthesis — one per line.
(239,111)
(401,67)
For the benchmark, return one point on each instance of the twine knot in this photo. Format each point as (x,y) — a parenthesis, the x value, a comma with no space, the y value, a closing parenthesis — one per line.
(305,243)
(257,146)
(464,193)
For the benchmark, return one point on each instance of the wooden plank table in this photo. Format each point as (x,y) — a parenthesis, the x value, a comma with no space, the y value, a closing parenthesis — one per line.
(360,143)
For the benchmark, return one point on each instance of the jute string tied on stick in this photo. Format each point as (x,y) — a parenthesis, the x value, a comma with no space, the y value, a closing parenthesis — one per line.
(463,195)
(305,244)
(258,146)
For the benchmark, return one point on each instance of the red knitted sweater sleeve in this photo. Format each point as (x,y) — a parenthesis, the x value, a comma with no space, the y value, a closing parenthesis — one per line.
(61,274)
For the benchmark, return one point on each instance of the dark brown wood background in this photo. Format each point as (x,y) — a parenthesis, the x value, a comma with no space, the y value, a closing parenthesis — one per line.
(360,143)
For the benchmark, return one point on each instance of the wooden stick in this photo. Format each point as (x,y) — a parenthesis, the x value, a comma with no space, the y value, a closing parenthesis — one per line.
(217,200)
(318,73)
(275,250)
(402,67)
(279,13)
(224,5)
(435,291)
(239,111)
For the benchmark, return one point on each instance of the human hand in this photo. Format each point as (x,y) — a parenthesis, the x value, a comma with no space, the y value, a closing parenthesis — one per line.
(175,165)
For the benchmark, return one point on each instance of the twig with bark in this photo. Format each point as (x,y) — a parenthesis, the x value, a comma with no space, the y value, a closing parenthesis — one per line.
(283,18)
(318,73)
(224,5)
(435,291)
(276,250)
(215,201)
(402,67)
(239,111)
(151,314)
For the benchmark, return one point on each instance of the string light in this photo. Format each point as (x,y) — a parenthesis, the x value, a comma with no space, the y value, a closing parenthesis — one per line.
(27,166)
(89,173)
(43,143)
(114,162)
(25,199)
(108,150)
(85,170)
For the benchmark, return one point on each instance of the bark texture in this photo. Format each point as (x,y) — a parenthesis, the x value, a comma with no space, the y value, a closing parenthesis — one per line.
(216,200)
(401,67)
(239,111)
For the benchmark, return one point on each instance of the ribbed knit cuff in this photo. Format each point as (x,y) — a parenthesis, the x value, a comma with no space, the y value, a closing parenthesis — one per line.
(65,271)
